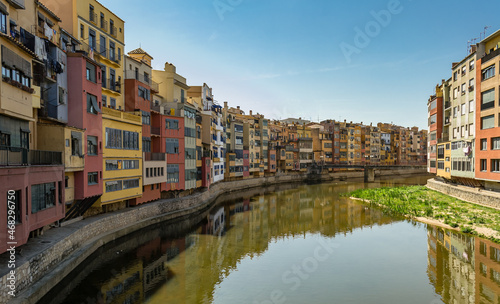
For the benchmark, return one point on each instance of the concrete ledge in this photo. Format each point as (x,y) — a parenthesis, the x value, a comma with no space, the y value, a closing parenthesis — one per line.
(472,195)
(48,259)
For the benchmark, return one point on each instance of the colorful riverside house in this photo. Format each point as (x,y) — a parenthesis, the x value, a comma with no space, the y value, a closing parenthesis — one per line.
(236,143)
(487,112)
(459,122)
(180,124)
(84,89)
(101,36)
(32,180)
(213,130)
(435,123)
(139,98)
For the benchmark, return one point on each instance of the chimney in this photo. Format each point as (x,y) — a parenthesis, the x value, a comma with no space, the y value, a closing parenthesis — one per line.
(238,107)
(225,104)
(250,112)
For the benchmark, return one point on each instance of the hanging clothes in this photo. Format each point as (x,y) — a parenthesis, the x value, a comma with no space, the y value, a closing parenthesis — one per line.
(48,31)
(40,49)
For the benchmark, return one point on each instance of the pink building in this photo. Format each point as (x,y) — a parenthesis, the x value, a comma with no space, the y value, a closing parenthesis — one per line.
(84,90)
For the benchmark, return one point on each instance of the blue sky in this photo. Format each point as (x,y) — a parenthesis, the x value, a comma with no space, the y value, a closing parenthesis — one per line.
(286,58)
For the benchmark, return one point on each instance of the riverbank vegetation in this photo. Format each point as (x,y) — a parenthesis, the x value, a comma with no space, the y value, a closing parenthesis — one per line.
(434,207)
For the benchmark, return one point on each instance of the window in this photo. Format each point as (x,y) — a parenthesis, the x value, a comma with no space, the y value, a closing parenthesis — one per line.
(484,165)
(91,145)
(131,183)
(455,93)
(112,103)
(92,40)
(172,145)
(487,122)
(130,140)
(102,47)
(471,106)
(464,70)
(471,85)
(463,88)
(172,173)
(43,196)
(75,143)
(92,106)
(113,186)
(92,16)
(455,75)
(432,119)
(144,93)
(488,72)
(103,22)
(112,52)
(82,31)
(190,153)
(488,99)
(113,138)
(91,75)
(440,151)
(93,178)
(172,124)
(464,108)
(3,23)
(146,77)
(455,111)
(495,143)
(495,165)
(146,144)
(104,101)
(112,29)
(471,65)
(441,165)
(471,130)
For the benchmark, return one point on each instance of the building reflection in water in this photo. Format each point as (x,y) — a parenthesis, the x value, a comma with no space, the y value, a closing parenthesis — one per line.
(158,268)
(462,268)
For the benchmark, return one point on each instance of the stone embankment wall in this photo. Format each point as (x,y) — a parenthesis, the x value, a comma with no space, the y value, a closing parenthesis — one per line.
(468,194)
(42,266)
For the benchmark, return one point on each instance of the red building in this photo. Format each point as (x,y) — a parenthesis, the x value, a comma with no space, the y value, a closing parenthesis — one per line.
(172,143)
(487,159)
(246,162)
(84,81)
(205,172)
(139,97)
(435,114)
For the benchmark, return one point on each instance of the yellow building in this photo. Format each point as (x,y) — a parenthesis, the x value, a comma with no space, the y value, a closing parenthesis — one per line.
(443,160)
(122,161)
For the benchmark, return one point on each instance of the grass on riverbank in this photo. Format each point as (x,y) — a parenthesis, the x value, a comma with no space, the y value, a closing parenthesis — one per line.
(419,201)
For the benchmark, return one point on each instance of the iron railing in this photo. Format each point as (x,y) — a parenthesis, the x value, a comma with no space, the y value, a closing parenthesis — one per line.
(12,156)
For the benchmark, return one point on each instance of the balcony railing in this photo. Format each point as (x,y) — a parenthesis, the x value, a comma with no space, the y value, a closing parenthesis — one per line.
(111,85)
(155,107)
(156,131)
(10,156)
(447,105)
(93,17)
(104,25)
(490,56)
(146,80)
(113,31)
(148,156)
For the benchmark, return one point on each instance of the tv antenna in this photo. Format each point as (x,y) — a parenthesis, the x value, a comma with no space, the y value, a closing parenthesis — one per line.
(484,32)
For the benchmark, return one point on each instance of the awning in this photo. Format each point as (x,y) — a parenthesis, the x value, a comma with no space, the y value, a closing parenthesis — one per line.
(50,23)
(41,16)
(95,105)
(3,8)
(12,21)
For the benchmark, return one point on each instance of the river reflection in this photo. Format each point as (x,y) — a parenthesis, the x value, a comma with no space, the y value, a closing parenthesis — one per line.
(463,269)
(305,244)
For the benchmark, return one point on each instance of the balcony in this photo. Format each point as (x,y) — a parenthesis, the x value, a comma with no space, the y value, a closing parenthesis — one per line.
(148,156)
(447,105)
(112,85)
(155,131)
(155,107)
(10,156)
(93,17)
(447,121)
(113,31)
(104,25)
(490,56)
(146,80)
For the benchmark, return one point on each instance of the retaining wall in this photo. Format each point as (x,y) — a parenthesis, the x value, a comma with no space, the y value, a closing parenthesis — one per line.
(468,194)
